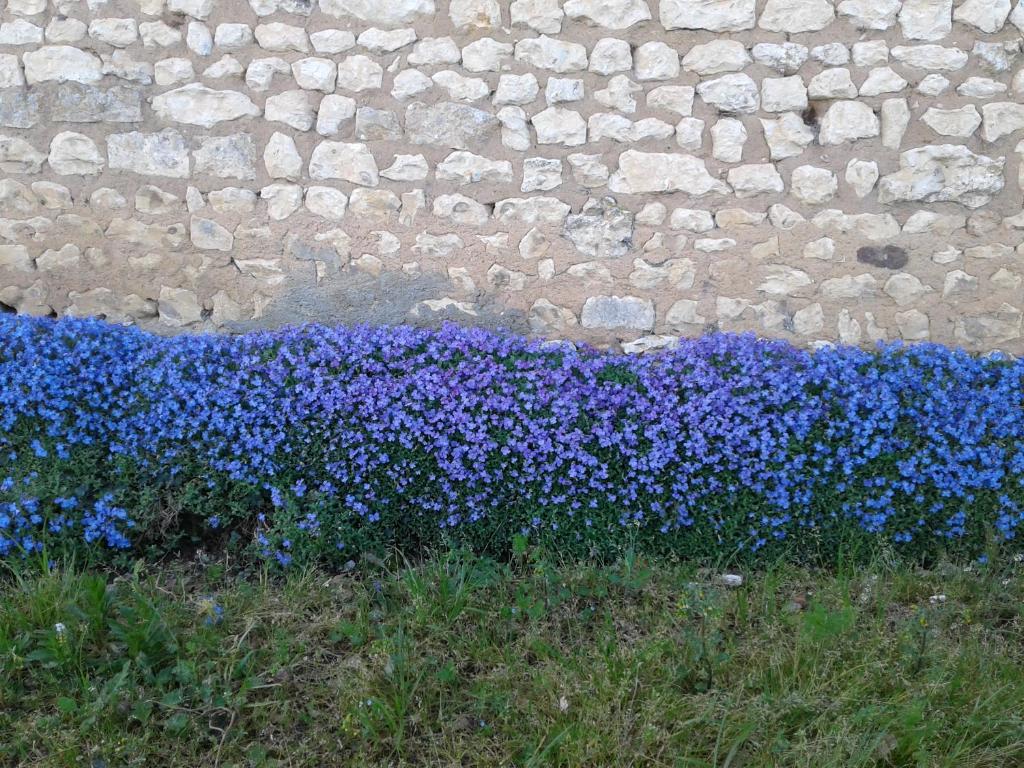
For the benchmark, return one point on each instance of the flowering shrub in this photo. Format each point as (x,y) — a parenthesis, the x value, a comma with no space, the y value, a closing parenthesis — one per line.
(319,443)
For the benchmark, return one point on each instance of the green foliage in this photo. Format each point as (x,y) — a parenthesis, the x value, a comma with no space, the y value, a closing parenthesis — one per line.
(325,446)
(463,660)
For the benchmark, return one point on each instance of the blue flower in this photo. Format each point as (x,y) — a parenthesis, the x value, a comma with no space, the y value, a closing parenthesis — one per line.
(211,611)
(307,436)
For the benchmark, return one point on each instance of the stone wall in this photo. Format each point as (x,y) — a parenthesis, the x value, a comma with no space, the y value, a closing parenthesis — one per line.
(614,170)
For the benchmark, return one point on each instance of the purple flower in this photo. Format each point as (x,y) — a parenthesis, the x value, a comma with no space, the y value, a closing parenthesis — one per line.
(401,436)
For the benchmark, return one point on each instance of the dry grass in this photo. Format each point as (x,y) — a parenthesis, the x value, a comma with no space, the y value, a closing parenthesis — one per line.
(466,662)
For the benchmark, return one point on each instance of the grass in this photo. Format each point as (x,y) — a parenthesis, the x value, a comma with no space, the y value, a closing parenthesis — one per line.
(462,661)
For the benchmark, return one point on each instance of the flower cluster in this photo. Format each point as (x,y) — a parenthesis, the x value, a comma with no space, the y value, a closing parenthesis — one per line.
(319,443)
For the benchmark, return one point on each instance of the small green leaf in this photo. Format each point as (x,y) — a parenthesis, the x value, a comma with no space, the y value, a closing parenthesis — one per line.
(171,699)
(176,722)
(446,674)
(142,710)
(66,706)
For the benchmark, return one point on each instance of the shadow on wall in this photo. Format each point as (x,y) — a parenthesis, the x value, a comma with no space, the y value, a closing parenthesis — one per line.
(389,299)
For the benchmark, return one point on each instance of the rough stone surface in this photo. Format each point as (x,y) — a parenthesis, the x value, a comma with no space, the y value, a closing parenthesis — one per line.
(926,19)
(641,172)
(1001,119)
(717,57)
(962,122)
(548,53)
(359,73)
(149,154)
(602,230)
(226,157)
(986,15)
(196,104)
(178,307)
(468,168)
(848,121)
(870,14)
(75,154)
(832,84)
(710,15)
(655,60)
(619,171)
(448,124)
(813,186)
(895,120)
(339,160)
(787,136)
(208,235)
(792,16)
(931,57)
(861,175)
(618,312)
(943,173)
(390,14)
(731,94)
(556,125)
(61,64)
(610,14)
(755,179)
